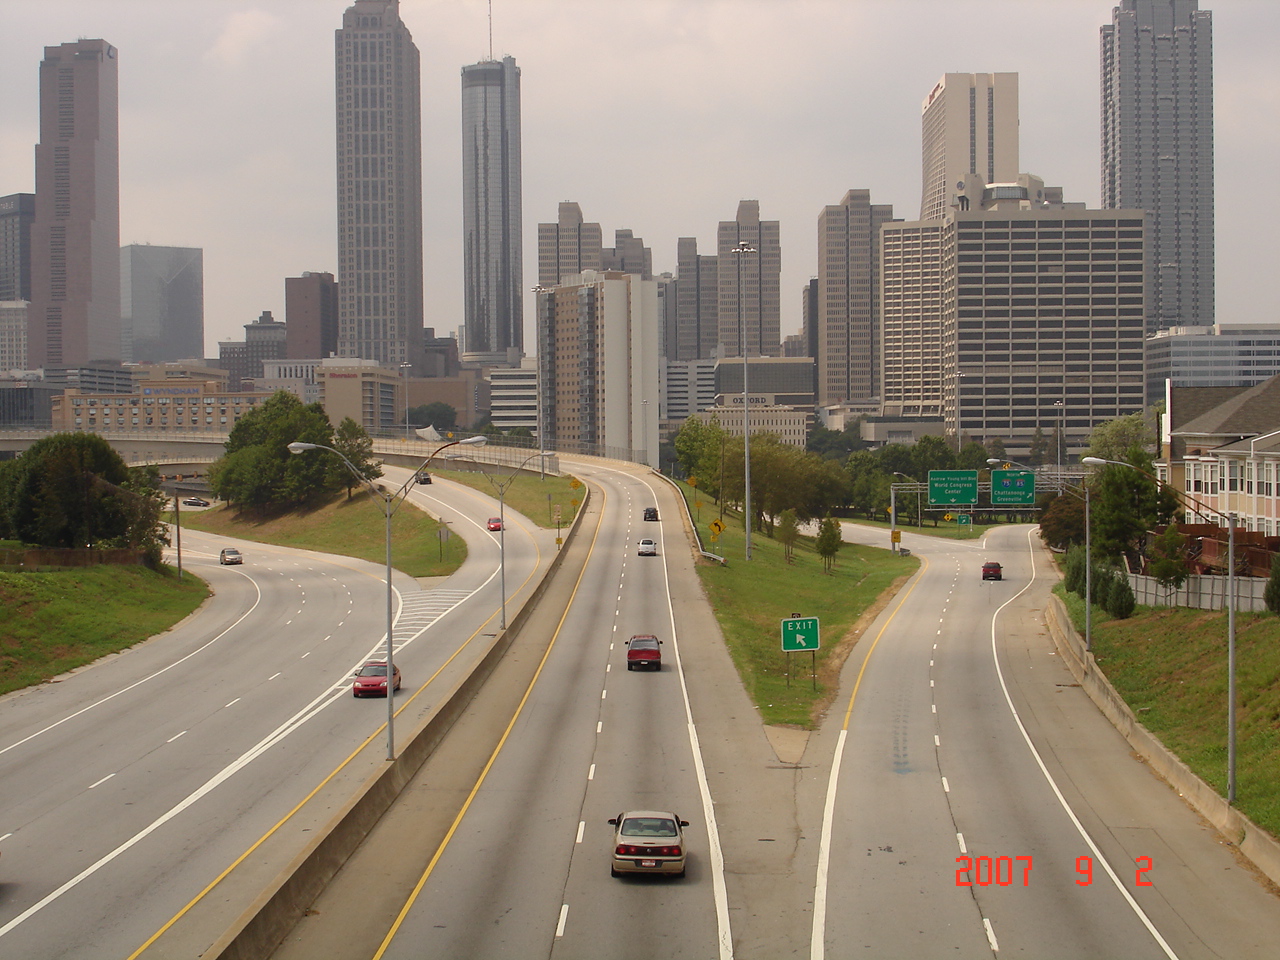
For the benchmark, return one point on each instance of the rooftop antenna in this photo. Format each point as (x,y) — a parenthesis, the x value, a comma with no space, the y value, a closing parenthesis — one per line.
(490,29)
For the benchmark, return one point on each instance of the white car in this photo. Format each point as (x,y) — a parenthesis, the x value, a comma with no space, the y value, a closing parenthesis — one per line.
(648,548)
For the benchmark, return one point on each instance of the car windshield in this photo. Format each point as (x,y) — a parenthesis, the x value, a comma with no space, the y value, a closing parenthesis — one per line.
(644,643)
(373,670)
(232,553)
(648,827)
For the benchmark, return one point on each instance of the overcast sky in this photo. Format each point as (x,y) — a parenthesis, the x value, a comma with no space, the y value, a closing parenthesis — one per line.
(656,116)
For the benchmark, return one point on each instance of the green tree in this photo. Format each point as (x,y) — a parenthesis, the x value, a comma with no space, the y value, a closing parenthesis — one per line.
(973,456)
(436,414)
(1167,558)
(258,470)
(995,448)
(1115,439)
(1062,521)
(1039,452)
(1120,600)
(828,542)
(64,492)
(354,443)
(931,453)
(1127,503)
(897,458)
(1073,574)
(788,532)
(1271,594)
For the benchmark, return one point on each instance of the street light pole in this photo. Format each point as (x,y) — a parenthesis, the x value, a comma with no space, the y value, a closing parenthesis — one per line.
(405,367)
(1230,517)
(893,511)
(741,250)
(390,502)
(502,529)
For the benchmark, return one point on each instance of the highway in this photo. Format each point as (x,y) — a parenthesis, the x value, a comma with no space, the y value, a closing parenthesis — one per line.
(127,786)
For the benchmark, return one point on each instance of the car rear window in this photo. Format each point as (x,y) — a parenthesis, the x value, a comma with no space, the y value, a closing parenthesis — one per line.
(648,827)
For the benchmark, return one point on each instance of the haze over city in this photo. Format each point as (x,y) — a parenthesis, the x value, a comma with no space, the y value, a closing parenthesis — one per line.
(655,116)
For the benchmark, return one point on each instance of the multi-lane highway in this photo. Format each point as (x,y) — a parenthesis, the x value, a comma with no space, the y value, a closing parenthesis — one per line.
(126,787)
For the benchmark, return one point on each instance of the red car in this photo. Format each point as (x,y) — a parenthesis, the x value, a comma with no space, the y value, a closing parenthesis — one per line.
(644,650)
(371,680)
(495,523)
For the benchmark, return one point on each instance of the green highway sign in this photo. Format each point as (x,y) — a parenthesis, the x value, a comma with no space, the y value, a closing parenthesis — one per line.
(1013,487)
(800,633)
(964,520)
(952,486)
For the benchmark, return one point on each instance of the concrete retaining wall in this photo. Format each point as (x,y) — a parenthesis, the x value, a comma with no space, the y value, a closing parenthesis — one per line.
(1254,842)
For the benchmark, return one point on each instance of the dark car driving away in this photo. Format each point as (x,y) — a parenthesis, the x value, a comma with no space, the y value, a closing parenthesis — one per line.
(651,513)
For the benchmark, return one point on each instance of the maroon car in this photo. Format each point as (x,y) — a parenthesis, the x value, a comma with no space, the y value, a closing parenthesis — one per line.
(371,680)
(644,650)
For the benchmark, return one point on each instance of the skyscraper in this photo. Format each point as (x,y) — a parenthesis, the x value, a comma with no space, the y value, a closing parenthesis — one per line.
(848,310)
(311,316)
(491,219)
(75,237)
(1157,147)
(161,303)
(567,247)
(969,124)
(757,271)
(17,214)
(379,145)
(697,330)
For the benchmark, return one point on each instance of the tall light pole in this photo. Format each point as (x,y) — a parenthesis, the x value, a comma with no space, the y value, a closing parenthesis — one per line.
(1062,427)
(390,503)
(501,487)
(1230,517)
(740,251)
(538,291)
(404,373)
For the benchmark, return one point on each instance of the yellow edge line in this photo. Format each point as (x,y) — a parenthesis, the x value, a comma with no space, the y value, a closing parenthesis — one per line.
(336,770)
(867,659)
(457,821)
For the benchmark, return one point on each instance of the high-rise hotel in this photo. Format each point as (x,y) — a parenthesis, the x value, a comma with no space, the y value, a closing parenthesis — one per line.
(74,317)
(1157,147)
(491,213)
(379,153)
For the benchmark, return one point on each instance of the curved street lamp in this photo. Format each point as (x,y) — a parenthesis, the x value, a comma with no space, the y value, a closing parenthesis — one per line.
(740,251)
(1231,605)
(390,503)
(501,487)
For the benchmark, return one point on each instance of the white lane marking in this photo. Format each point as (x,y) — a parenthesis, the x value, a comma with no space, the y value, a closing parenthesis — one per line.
(934,706)
(960,840)
(232,703)
(6,836)
(564,915)
(603,694)
(274,675)
(946,787)
(991,936)
(817,944)
(305,655)
(582,825)
(608,667)
(176,736)
(591,774)
(102,781)
(599,725)
(1053,785)
(138,683)
(936,741)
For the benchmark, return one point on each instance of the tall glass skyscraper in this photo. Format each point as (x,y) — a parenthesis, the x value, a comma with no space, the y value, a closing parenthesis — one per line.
(1157,147)
(379,142)
(491,217)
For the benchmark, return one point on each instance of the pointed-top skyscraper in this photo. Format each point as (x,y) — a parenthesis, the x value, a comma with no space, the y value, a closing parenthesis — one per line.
(1157,147)
(491,215)
(379,141)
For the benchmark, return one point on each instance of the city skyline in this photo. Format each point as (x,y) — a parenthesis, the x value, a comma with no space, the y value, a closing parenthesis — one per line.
(831,103)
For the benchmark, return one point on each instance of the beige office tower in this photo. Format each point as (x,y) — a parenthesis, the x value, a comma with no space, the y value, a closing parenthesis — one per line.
(568,246)
(74,316)
(379,145)
(750,276)
(848,308)
(911,310)
(968,124)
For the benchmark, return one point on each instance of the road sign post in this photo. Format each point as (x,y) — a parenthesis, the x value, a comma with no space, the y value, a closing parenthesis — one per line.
(948,487)
(1013,487)
(801,633)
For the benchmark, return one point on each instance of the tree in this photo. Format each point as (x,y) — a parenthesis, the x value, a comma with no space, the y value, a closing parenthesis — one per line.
(437,414)
(64,492)
(258,470)
(1167,558)
(931,453)
(1062,521)
(1039,452)
(1126,504)
(828,542)
(1120,601)
(995,448)
(354,443)
(1271,595)
(1114,439)
(1073,573)
(973,456)
(788,532)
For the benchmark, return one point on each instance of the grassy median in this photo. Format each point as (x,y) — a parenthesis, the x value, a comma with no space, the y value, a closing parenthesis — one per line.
(54,622)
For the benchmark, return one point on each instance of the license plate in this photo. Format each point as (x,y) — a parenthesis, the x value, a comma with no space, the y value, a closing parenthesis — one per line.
(648,863)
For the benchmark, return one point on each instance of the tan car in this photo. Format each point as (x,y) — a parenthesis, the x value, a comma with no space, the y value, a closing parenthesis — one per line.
(648,841)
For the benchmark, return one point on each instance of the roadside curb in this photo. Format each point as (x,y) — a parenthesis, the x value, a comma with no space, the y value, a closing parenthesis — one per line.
(1262,849)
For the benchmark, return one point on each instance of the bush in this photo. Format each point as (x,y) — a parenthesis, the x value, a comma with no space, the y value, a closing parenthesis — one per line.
(1073,572)
(1271,595)
(1120,600)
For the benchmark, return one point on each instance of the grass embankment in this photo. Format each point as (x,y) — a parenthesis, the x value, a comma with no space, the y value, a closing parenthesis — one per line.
(751,599)
(55,622)
(945,529)
(1170,666)
(528,494)
(350,528)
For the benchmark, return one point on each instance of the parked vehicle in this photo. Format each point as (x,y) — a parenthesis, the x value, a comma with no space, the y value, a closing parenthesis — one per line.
(195,502)
(644,650)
